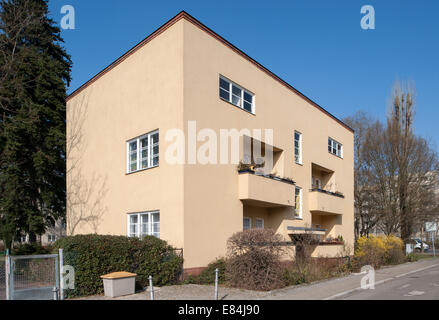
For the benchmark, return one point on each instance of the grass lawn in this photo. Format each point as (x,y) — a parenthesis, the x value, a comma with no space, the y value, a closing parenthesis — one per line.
(428,255)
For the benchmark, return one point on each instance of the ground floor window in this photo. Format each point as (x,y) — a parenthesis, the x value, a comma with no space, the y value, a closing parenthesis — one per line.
(51,238)
(259,223)
(144,224)
(247,223)
(298,201)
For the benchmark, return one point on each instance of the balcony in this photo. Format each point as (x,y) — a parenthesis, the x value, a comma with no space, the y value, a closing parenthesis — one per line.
(325,203)
(265,190)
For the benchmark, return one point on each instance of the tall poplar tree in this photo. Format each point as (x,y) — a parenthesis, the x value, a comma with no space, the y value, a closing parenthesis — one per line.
(34,75)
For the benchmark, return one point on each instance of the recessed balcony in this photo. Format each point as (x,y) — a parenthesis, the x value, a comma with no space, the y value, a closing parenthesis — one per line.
(265,190)
(324,202)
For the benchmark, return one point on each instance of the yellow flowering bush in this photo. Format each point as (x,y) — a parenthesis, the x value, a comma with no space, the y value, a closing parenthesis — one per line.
(394,250)
(378,250)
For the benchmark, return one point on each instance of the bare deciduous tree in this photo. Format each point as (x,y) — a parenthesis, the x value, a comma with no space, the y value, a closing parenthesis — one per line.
(366,213)
(396,172)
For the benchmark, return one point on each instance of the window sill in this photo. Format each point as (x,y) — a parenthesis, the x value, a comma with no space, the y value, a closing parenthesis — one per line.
(133,172)
(335,155)
(242,109)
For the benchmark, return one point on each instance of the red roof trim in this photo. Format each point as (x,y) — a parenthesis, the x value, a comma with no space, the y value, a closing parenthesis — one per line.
(197,23)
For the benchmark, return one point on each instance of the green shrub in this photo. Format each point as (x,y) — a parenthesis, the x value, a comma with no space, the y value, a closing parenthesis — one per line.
(295,277)
(207,276)
(411,257)
(30,249)
(96,255)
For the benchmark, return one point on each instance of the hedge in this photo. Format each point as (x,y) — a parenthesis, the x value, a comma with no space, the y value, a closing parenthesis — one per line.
(96,255)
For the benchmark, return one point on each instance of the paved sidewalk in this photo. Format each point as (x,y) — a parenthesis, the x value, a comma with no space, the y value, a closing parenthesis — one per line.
(336,288)
(327,289)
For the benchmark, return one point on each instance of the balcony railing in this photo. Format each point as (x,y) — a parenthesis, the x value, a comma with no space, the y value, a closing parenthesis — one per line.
(265,190)
(335,194)
(325,202)
(268,176)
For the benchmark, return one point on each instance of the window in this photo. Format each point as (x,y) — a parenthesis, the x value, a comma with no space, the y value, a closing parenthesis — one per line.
(144,224)
(298,201)
(247,223)
(259,223)
(143,152)
(51,238)
(298,147)
(335,147)
(236,95)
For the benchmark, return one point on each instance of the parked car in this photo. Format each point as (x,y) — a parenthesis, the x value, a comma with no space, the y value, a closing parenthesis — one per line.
(419,244)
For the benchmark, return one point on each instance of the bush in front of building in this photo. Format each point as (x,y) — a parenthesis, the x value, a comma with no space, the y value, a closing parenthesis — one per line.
(254,260)
(378,251)
(95,255)
(207,276)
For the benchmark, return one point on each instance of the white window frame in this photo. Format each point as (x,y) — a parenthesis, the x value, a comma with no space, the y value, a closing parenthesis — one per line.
(241,97)
(298,161)
(250,223)
(334,145)
(139,152)
(139,215)
(49,238)
(298,214)
(259,220)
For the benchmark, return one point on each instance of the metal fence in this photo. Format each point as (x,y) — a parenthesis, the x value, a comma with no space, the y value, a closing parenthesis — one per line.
(32,277)
(2,277)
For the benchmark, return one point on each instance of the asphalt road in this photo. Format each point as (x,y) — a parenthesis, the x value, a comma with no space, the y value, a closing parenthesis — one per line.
(422,285)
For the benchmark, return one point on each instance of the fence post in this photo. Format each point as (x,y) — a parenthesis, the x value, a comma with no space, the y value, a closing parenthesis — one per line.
(61,278)
(55,293)
(151,289)
(216,284)
(8,275)
(11,277)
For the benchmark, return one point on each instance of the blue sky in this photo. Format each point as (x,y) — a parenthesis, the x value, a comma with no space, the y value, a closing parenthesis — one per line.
(317,46)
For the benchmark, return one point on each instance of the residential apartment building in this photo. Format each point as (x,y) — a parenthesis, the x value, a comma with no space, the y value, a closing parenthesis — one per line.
(120,128)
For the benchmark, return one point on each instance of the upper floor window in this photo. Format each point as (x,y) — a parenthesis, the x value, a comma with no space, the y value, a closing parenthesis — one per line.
(144,224)
(236,95)
(298,147)
(143,152)
(298,201)
(335,147)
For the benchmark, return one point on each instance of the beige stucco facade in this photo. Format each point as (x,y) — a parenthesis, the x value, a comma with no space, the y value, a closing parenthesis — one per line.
(168,80)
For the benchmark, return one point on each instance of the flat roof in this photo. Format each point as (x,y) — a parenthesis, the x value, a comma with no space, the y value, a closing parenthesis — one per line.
(184,15)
